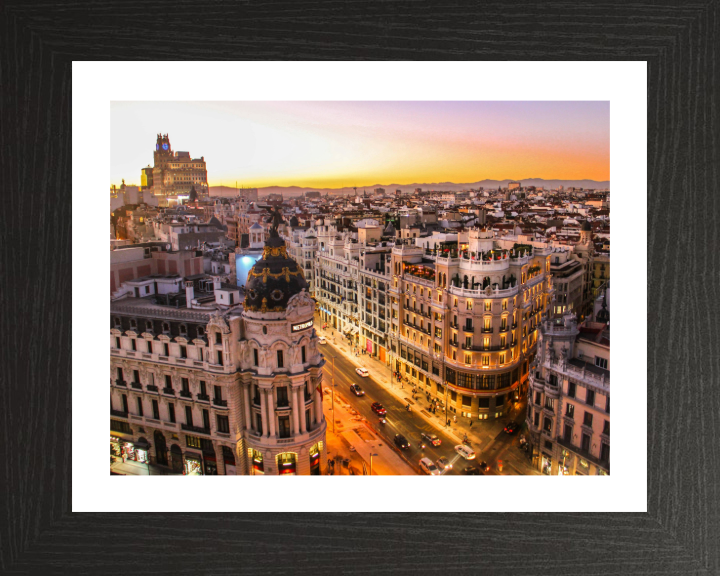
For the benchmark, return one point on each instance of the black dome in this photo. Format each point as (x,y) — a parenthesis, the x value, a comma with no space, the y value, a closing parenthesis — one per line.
(274,279)
(294,221)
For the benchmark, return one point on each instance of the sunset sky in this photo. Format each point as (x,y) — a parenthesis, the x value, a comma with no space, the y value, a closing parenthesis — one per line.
(336,144)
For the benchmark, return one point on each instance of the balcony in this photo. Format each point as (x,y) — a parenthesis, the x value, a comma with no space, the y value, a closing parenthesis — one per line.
(136,385)
(151,388)
(485,348)
(220,403)
(185,394)
(118,413)
(203,398)
(503,329)
(487,330)
(121,383)
(169,391)
(469,329)
(196,429)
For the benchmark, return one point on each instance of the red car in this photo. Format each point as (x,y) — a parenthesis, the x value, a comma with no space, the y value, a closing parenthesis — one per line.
(377,407)
(511,428)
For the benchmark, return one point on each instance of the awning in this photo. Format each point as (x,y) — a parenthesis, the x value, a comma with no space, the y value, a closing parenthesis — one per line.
(193,456)
(142,444)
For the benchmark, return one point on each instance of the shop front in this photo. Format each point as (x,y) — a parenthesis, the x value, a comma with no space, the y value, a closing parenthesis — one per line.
(141,450)
(193,464)
(545,463)
(287,463)
(315,460)
(565,464)
(210,464)
(258,466)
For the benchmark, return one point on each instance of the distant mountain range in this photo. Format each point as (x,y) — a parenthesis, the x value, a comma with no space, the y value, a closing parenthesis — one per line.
(291,191)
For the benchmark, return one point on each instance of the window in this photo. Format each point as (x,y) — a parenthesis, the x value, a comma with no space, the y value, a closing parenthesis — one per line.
(605,452)
(280,359)
(166,349)
(303,354)
(218,338)
(200,331)
(549,402)
(136,376)
(488,305)
(585,443)
(587,420)
(133,345)
(504,304)
(567,433)
(166,327)
(255,357)
(537,419)
(601,362)
(466,400)
(468,341)
(469,305)
(223,424)
(117,342)
(206,419)
(547,424)
(183,329)
(590,398)
(571,389)
(219,358)
(188,416)
(171,412)
(284,427)
(569,410)
(183,351)
(468,358)
(486,360)
(607,404)
(282,396)
(538,398)
(606,428)
(156,410)
(140,406)
(193,442)
(487,325)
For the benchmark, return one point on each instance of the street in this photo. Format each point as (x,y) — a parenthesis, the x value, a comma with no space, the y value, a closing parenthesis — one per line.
(488,440)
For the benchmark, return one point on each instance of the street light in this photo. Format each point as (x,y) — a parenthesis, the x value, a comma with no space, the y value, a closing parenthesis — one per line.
(371,457)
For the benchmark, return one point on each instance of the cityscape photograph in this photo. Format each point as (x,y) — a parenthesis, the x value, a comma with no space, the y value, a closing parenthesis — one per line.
(360,288)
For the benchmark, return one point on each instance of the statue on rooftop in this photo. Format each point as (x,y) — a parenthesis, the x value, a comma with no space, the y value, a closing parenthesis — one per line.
(276,219)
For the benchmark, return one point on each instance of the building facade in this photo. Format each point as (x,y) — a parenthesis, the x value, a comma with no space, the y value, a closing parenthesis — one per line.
(568,414)
(175,173)
(204,383)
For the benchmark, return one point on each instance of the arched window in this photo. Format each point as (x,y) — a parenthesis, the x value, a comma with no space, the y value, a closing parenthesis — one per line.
(166,327)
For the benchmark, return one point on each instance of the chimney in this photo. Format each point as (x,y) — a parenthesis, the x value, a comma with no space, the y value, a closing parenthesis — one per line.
(189,293)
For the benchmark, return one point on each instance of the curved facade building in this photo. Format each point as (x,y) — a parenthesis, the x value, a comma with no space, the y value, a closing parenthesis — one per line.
(465,320)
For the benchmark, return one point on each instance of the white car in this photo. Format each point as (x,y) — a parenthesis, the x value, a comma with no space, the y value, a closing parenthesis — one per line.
(428,467)
(322,340)
(465,452)
(363,372)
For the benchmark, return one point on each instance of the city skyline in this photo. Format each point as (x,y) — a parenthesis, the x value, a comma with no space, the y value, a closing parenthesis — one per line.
(345,144)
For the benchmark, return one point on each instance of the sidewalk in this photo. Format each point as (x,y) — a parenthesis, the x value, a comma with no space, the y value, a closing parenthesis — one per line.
(482,434)
(353,440)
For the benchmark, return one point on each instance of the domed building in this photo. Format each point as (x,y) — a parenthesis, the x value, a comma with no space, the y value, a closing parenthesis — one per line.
(281,369)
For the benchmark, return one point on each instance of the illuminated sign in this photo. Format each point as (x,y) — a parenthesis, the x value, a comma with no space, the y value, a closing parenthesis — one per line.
(302,326)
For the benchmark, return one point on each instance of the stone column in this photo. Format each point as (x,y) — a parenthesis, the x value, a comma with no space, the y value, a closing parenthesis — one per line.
(246,399)
(301,412)
(219,459)
(318,406)
(263,413)
(296,413)
(271,411)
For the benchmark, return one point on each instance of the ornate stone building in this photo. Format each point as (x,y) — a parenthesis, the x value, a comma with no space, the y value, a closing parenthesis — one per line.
(203,384)
(175,173)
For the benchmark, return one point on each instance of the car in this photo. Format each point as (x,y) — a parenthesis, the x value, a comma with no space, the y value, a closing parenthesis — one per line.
(472,471)
(378,408)
(484,466)
(363,372)
(431,439)
(444,464)
(355,389)
(511,428)
(322,340)
(428,467)
(401,442)
(465,452)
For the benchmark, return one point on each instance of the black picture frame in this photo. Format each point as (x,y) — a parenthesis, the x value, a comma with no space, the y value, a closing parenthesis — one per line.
(681,530)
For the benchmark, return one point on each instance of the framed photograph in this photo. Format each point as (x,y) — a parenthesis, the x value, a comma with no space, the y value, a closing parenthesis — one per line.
(642,99)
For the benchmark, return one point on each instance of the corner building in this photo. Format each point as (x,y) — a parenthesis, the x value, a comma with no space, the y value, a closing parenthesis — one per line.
(204,387)
(465,321)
